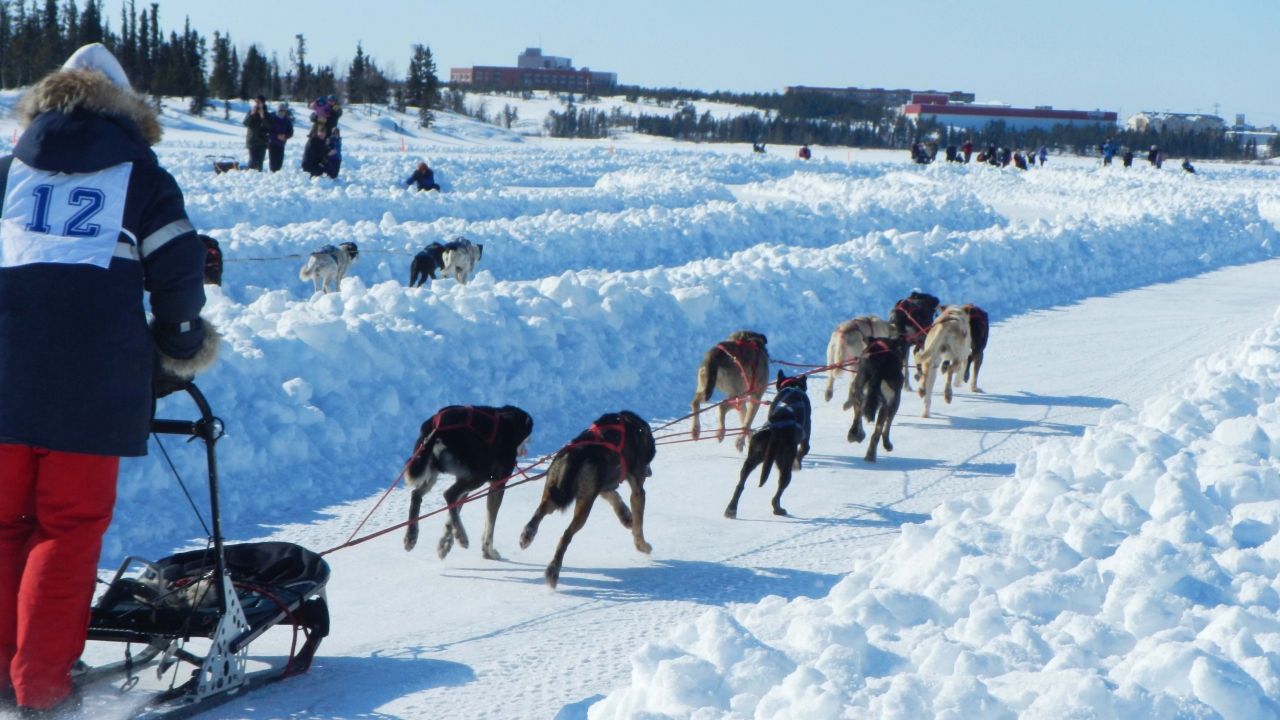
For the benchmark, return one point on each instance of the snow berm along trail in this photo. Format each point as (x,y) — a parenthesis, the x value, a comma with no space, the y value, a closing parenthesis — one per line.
(605,277)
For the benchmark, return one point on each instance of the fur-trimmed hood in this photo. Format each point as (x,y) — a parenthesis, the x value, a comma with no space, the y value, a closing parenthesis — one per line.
(80,121)
(68,90)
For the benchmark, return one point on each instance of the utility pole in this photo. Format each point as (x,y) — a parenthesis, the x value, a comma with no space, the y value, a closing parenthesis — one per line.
(1215,108)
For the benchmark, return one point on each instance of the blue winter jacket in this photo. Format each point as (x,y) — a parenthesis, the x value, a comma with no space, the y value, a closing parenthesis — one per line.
(89,222)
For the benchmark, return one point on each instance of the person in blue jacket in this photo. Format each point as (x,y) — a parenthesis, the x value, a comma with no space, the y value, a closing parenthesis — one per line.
(90,221)
(281,131)
(1108,151)
(333,159)
(424,178)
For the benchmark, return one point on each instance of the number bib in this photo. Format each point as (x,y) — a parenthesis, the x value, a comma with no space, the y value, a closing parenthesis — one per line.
(63,218)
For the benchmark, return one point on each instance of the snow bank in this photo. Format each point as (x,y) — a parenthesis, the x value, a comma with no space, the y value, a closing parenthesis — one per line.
(1133,573)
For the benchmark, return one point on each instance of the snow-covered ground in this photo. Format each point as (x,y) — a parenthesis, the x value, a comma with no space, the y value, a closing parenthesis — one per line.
(609,268)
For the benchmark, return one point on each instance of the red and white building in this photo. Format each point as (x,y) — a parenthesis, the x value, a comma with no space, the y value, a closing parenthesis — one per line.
(891,98)
(935,107)
(535,71)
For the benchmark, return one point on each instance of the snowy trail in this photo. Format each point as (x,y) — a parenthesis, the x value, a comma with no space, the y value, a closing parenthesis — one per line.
(465,638)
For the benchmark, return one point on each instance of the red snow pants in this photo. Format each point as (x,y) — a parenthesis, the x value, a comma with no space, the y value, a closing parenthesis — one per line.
(54,509)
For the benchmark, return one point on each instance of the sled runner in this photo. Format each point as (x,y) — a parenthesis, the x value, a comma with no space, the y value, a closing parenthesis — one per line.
(229,595)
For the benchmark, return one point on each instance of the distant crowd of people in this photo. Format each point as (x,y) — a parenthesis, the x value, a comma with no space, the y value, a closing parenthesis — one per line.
(926,152)
(267,133)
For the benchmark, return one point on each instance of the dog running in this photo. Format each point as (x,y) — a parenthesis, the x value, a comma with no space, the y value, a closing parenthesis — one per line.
(460,258)
(911,317)
(848,341)
(739,368)
(783,440)
(946,349)
(979,332)
(328,265)
(617,447)
(876,391)
(476,445)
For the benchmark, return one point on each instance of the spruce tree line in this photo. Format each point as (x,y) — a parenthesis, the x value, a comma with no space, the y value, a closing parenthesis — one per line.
(37,36)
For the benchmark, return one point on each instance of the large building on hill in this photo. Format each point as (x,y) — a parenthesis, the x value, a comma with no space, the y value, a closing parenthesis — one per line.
(535,71)
(924,106)
(891,98)
(1166,122)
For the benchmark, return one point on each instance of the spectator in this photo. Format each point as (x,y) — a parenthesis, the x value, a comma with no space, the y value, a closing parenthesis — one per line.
(424,178)
(320,112)
(804,153)
(967,149)
(281,131)
(1152,154)
(1186,165)
(315,152)
(1108,149)
(335,113)
(1127,158)
(79,366)
(258,125)
(1043,155)
(333,158)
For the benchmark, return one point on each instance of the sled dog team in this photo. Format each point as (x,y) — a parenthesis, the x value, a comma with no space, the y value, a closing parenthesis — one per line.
(481,445)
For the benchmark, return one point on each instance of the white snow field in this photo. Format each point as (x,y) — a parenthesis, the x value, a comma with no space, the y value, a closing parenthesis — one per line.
(609,268)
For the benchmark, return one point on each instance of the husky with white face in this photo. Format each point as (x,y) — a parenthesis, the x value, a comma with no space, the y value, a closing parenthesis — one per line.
(327,266)
(946,348)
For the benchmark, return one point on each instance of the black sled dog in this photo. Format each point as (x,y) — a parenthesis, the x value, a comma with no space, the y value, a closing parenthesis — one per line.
(617,447)
(783,441)
(476,445)
(911,317)
(876,391)
(979,332)
(425,264)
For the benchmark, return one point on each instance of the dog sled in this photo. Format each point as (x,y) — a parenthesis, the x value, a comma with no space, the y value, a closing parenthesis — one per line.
(227,595)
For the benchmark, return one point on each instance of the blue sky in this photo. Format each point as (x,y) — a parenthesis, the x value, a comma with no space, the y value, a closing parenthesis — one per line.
(1181,55)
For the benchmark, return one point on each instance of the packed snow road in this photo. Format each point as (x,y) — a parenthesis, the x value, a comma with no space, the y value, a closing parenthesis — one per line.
(467,638)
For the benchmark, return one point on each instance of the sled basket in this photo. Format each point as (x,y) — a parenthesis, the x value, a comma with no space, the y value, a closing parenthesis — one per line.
(227,594)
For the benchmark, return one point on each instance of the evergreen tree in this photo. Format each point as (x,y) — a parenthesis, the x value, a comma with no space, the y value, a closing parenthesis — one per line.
(255,75)
(222,82)
(421,86)
(300,88)
(355,78)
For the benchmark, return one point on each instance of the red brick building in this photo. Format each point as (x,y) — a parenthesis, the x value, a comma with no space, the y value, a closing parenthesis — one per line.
(535,71)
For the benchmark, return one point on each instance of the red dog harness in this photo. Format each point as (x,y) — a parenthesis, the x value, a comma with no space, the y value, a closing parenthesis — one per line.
(736,355)
(920,330)
(597,433)
(468,415)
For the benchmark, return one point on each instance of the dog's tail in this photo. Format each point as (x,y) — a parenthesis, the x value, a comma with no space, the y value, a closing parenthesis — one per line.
(770,451)
(308,271)
(709,382)
(418,463)
(871,391)
(566,473)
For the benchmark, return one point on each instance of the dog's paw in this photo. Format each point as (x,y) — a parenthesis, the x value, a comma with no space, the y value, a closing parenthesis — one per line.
(490,554)
(797,465)
(888,446)
(445,545)
(920,392)
(553,576)
(461,536)
(740,443)
(777,510)
(973,389)
(826,396)
(731,512)
(526,538)
(411,539)
(869,457)
(624,517)
(643,546)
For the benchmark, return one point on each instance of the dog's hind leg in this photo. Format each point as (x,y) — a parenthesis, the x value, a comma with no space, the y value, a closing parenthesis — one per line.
(722,411)
(888,412)
(415,506)
(492,502)
(755,456)
(926,386)
(619,508)
(747,415)
(784,459)
(581,509)
(977,365)
(453,526)
(545,508)
(637,516)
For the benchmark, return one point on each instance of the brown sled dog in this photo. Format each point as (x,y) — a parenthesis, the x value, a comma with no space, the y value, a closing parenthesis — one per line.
(979,331)
(617,447)
(739,368)
(847,343)
(912,317)
(782,441)
(476,445)
(876,391)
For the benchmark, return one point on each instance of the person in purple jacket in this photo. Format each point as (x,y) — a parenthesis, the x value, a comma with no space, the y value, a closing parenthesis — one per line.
(281,131)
